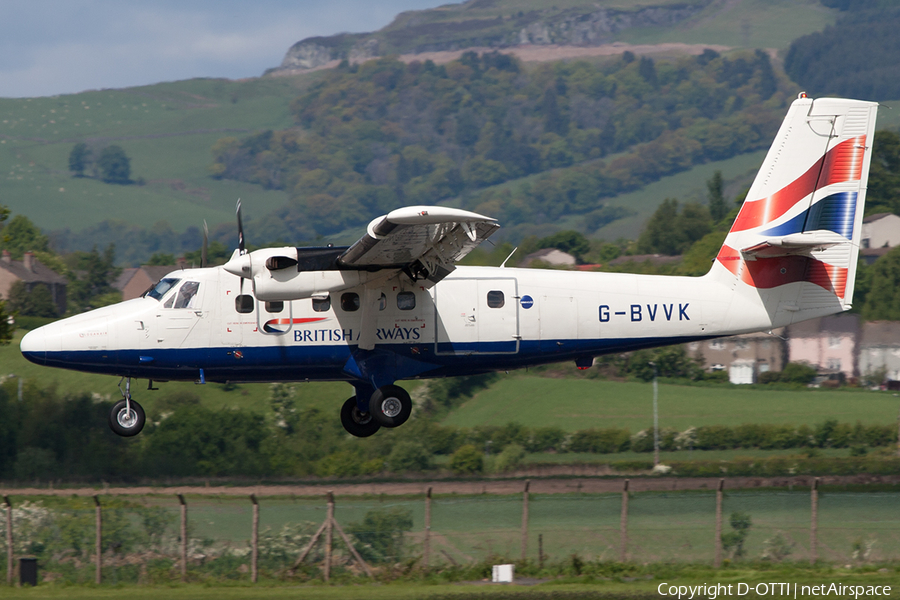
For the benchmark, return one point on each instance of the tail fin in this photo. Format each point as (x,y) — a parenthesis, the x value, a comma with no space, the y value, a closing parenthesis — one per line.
(795,241)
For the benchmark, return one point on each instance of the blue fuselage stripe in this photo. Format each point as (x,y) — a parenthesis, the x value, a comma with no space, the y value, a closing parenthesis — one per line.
(326,362)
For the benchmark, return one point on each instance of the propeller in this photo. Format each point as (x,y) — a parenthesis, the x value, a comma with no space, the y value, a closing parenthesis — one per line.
(241,248)
(240,228)
(239,264)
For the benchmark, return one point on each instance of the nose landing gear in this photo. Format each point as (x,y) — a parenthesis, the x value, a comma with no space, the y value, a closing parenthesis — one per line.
(127,416)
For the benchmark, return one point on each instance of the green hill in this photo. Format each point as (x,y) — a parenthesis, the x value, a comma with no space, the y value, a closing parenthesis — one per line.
(168,130)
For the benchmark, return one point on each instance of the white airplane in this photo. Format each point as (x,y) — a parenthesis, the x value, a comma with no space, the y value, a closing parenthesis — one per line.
(394,306)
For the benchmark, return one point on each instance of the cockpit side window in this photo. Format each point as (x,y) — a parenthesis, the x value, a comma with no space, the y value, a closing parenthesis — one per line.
(160,289)
(187,295)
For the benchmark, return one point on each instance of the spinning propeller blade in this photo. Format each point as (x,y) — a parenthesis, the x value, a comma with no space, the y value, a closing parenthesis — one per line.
(240,228)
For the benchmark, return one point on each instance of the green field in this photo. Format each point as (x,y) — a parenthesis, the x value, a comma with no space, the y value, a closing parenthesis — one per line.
(166,129)
(574,404)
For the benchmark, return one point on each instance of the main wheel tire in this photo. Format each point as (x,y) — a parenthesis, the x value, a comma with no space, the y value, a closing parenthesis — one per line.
(126,423)
(390,405)
(357,423)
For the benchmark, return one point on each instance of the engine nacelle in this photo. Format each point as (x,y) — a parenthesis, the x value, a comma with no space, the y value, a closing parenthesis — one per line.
(277,274)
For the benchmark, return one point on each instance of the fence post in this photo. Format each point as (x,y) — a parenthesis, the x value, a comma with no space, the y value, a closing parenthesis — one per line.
(623,525)
(541,550)
(9,541)
(717,562)
(99,535)
(329,534)
(254,542)
(814,523)
(525,520)
(183,537)
(427,543)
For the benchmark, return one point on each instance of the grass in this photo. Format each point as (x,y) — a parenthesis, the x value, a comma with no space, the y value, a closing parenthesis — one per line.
(746,24)
(574,404)
(166,129)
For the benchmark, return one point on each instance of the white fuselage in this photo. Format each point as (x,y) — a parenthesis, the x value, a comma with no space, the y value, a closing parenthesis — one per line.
(475,320)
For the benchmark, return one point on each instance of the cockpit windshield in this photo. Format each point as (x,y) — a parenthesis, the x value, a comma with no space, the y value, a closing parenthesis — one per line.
(162,287)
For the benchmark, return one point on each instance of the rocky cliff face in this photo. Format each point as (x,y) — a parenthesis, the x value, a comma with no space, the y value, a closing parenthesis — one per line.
(413,33)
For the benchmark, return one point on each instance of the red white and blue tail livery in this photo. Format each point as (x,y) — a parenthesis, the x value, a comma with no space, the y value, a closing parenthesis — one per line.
(395,306)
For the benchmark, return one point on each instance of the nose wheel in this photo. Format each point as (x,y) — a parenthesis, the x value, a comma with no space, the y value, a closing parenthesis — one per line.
(127,416)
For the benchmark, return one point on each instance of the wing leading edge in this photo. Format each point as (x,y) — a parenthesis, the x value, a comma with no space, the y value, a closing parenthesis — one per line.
(424,241)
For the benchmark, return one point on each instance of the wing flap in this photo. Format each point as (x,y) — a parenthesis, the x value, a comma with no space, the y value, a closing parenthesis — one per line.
(424,240)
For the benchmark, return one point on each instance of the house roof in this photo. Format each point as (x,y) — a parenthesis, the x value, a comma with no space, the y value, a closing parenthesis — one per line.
(847,324)
(153,272)
(877,217)
(550,255)
(880,333)
(653,259)
(38,272)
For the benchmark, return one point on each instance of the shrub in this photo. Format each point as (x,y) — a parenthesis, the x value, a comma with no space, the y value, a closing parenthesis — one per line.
(544,439)
(510,458)
(408,456)
(715,437)
(381,533)
(467,460)
(600,441)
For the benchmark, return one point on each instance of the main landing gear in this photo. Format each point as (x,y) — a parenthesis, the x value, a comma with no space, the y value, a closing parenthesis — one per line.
(388,406)
(127,416)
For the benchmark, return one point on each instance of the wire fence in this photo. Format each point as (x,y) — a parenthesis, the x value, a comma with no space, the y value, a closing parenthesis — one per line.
(152,539)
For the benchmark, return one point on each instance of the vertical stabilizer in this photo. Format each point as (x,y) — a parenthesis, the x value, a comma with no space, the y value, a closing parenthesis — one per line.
(795,242)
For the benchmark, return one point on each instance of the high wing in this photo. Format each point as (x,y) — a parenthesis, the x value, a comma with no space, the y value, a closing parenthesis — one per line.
(424,241)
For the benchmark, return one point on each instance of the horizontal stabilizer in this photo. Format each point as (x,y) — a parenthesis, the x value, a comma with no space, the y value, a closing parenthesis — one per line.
(802,244)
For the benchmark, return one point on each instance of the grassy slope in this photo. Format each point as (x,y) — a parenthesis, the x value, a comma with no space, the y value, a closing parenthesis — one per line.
(574,404)
(167,130)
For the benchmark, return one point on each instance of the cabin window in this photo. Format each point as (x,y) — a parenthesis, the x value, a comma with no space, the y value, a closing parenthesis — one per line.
(382,302)
(350,302)
(187,295)
(495,299)
(274,307)
(160,289)
(243,303)
(406,300)
(322,304)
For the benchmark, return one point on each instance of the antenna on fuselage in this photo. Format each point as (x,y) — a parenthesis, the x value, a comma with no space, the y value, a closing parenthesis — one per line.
(503,266)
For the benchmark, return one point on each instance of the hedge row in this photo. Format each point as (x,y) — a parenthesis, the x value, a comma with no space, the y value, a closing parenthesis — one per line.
(828,434)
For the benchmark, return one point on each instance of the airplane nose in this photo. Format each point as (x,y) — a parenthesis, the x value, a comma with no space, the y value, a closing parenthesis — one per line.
(34,346)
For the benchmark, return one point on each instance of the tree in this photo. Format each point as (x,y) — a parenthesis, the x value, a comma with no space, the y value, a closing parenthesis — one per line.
(569,241)
(6,330)
(716,199)
(733,541)
(36,303)
(21,235)
(883,298)
(79,158)
(467,460)
(115,166)
(381,533)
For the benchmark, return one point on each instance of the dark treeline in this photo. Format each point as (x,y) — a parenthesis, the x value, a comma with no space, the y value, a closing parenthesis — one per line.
(854,58)
(383,134)
(48,435)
